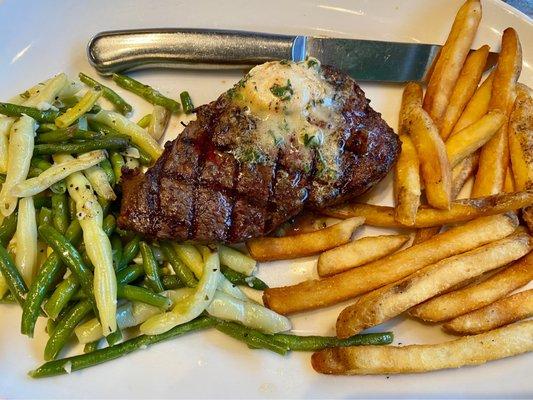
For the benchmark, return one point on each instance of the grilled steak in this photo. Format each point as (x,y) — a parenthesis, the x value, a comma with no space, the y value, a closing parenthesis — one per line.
(287,136)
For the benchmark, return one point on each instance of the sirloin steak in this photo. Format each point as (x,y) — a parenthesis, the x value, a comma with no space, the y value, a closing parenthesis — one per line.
(287,136)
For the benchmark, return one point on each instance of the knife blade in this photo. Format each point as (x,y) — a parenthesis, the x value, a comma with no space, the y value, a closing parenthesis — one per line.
(364,60)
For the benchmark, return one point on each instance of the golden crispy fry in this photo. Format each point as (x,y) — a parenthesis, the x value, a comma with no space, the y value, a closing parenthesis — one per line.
(358,252)
(424,234)
(477,107)
(451,59)
(471,350)
(407,182)
(377,307)
(521,139)
(503,312)
(464,89)
(460,210)
(508,184)
(320,293)
(304,244)
(459,302)
(411,98)
(494,157)
(471,138)
(431,151)
(462,172)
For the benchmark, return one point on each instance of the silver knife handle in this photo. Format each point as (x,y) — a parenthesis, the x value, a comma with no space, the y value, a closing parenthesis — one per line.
(116,51)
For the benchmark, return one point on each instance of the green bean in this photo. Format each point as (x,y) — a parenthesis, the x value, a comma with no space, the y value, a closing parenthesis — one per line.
(108,169)
(78,110)
(107,143)
(183,272)
(38,166)
(50,326)
(71,257)
(72,209)
(109,224)
(44,217)
(136,293)
(51,270)
(92,346)
(120,104)
(240,279)
(116,246)
(102,128)
(13,110)
(117,162)
(129,274)
(63,293)
(251,337)
(146,92)
(64,329)
(114,337)
(171,282)
(60,212)
(151,269)
(46,127)
(41,200)
(144,158)
(8,228)
(131,249)
(110,353)
(145,121)
(12,276)
(186,102)
(69,102)
(315,343)
(65,135)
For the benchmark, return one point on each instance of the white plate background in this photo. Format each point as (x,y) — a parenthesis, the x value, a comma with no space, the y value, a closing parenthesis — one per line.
(41,38)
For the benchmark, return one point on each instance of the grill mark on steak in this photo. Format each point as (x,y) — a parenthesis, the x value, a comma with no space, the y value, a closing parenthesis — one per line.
(198,190)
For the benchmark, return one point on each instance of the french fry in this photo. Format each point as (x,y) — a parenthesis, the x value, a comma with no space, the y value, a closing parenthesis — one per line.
(434,166)
(459,302)
(494,156)
(407,182)
(468,140)
(477,107)
(503,312)
(358,252)
(334,289)
(411,98)
(424,234)
(521,139)
(470,350)
(304,244)
(451,59)
(377,307)
(464,89)
(460,211)
(508,184)
(462,172)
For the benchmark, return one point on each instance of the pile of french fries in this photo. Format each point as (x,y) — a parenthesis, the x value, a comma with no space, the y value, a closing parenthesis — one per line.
(466,258)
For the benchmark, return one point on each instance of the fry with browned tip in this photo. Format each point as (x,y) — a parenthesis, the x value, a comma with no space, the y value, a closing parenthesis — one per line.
(383,304)
(460,211)
(434,165)
(503,312)
(304,244)
(494,157)
(334,289)
(464,89)
(470,350)
(451,59)
(470,298)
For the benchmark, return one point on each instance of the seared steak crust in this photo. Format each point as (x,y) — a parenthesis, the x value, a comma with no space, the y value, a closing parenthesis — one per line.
(198,190)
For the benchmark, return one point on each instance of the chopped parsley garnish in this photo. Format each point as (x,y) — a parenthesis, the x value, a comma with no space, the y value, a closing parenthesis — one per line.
(284,62)
(252,156)
(313,141)
(312,63)
(283,92)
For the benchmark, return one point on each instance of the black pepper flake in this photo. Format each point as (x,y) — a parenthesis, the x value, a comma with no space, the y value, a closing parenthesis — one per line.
(206,298)
(87,187)
(183,123)
(214,270)
(76,188)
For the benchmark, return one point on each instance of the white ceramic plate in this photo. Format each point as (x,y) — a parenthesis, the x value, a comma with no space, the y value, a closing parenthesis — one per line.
(38,39)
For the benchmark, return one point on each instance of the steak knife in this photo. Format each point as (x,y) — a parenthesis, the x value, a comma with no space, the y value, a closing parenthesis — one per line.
(364,60)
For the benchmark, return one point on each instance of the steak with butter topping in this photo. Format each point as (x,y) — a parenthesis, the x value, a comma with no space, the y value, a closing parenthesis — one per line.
(286,137)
